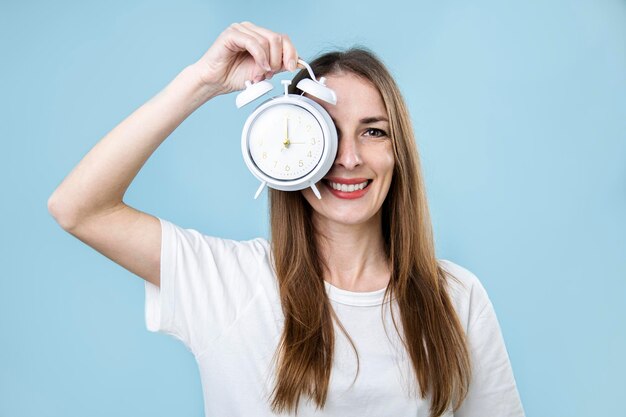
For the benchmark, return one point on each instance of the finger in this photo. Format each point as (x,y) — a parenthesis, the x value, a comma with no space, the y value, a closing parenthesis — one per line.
(275,41)
(262,40)
(290,54)
(289,51)
(270,50)
(245,42)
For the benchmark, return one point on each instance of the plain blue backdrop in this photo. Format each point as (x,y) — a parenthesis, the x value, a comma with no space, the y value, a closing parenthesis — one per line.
(519,109)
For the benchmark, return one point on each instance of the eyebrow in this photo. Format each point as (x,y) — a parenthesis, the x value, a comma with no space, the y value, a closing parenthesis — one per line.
(367,120)
(375,119)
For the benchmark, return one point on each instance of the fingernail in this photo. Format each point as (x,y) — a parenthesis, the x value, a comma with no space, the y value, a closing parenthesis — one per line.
(266,66)
(292,65)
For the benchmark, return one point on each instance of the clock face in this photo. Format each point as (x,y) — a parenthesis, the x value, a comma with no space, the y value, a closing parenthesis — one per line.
(286,141)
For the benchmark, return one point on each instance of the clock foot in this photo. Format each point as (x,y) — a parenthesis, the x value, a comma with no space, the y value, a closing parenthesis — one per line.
(258,192)
(316,191)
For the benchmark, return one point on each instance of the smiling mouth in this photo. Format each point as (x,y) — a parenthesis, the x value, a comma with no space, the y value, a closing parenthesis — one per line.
(348,188)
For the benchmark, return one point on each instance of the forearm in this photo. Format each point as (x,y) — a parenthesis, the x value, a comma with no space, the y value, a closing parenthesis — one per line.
(98,183)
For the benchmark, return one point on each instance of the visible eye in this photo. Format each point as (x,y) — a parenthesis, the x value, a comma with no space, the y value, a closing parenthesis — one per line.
(378,133)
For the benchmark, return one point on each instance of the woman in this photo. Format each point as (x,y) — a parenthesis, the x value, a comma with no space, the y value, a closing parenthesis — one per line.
(347,311)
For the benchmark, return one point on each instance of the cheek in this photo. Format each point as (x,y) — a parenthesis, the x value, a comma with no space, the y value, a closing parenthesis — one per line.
(386,161)
(390,164)
(385,168)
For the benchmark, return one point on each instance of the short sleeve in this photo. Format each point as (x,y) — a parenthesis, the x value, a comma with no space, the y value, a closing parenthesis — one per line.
(493,391)
(205,283)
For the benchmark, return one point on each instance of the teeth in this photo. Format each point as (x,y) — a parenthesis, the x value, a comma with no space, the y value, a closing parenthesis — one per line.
(348,188)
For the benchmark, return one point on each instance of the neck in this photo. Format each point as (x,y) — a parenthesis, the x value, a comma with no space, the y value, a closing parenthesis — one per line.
(354,255)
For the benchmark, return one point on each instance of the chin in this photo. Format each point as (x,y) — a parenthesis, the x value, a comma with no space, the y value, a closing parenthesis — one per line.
(345,213)
(349,219)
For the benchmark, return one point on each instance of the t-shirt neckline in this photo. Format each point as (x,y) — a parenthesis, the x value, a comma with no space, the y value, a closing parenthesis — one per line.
(361,299)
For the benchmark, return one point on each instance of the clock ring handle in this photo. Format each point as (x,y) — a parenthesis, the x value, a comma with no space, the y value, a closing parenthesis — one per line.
(316,87)
(308,67)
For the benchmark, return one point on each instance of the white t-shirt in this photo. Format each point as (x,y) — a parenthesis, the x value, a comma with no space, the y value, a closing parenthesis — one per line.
(220,298)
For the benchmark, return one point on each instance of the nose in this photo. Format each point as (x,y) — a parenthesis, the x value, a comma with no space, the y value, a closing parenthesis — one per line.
(348,152)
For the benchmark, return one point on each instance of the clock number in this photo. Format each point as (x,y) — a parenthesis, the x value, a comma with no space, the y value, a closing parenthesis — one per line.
(309,154)
(301,163)
(287,168)
(275,163)
(308,128)
(264,155)
(312,141)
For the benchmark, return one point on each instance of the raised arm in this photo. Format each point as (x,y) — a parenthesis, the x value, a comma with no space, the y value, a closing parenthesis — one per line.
(89,202)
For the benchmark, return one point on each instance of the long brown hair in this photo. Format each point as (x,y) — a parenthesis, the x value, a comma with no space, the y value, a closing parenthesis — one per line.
(433,335)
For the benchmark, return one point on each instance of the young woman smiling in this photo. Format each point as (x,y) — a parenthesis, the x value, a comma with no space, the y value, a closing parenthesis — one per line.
(346,310)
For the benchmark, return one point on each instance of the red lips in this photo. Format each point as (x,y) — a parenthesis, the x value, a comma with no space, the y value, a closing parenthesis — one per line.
(347,195)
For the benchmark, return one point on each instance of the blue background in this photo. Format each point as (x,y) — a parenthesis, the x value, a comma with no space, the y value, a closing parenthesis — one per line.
(520,113)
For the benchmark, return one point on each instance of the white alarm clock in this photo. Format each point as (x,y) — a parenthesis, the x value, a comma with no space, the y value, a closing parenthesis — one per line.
(289,142)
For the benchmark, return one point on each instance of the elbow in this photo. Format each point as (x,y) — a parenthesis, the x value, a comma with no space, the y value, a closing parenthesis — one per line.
(60,213)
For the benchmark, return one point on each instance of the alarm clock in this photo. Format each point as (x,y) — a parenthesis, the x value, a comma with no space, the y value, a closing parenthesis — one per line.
(289,142)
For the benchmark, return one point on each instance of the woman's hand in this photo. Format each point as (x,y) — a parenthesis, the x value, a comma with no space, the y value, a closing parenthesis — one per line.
(243,52)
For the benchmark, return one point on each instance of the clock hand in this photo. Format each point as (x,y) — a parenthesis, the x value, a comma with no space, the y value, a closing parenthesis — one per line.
(286,142)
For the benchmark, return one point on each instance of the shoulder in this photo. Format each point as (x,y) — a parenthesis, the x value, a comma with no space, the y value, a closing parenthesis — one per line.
(492,390)
(466,291)
(194,241)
